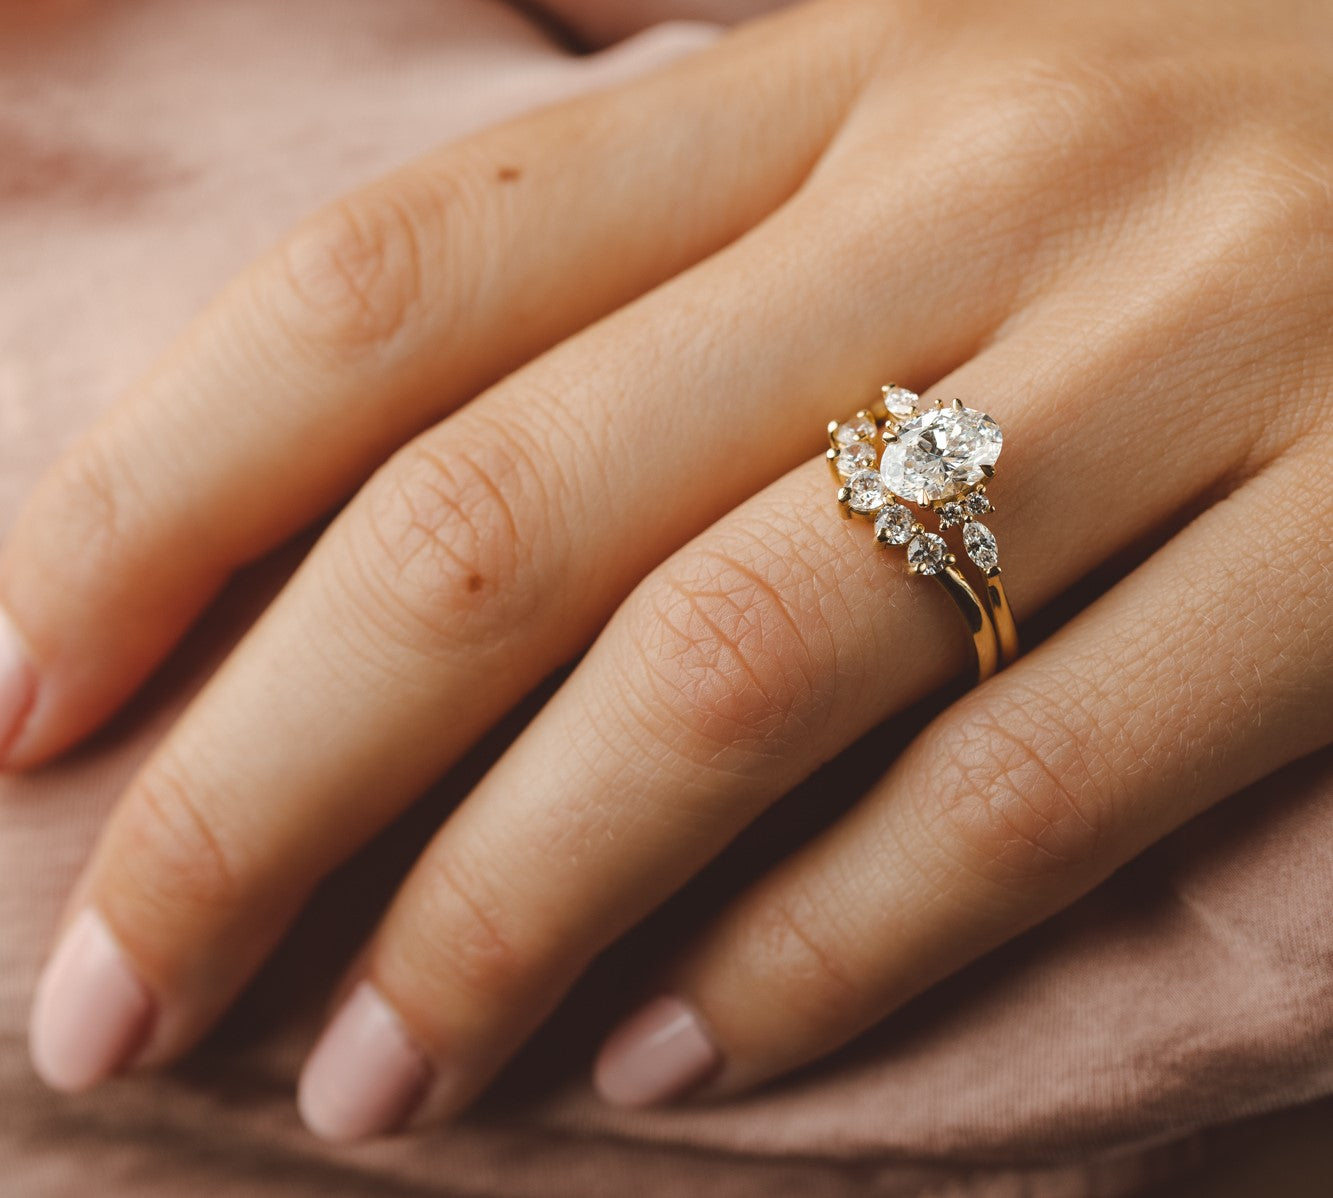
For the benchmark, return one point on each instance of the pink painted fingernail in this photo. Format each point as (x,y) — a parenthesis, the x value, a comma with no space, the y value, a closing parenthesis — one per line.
(365,1077)
(18,683)
(660,1053)
(92,1013)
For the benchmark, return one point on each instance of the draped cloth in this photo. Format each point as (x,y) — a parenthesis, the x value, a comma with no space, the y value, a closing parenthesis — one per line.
(148,150)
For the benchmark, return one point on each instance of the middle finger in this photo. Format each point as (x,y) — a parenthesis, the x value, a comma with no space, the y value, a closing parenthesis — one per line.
(481,557)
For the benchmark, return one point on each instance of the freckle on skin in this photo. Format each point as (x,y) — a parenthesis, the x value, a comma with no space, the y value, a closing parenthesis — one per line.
(475,582)
(508,174)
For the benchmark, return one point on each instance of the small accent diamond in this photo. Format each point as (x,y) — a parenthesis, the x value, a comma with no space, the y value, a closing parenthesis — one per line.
(867,492)
(894,524)
(857,456)
(951,513)
(860,429)
(979,542)
(900,402)
(977,504)
(927,554)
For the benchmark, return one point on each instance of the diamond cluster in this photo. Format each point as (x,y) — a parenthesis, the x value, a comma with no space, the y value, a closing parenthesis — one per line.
(939,458)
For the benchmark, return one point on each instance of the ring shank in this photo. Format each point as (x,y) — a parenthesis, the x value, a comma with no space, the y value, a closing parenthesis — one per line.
(980,623)
(1002,614)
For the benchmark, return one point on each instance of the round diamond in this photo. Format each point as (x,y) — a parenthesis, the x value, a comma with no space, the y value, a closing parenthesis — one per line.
(860,429)
(894,524)
(927,554)
(866,492)
(951,513)
(940,454)
(900,402)
(977,504)
(857,456)
(979,542)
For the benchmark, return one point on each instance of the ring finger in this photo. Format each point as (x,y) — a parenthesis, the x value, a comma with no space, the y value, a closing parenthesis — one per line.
(751,656)
(1014,802)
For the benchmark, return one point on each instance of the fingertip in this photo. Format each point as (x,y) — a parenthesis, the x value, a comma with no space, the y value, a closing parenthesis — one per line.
(366,1077)
(18,686)
(91,1013)
(659,1054)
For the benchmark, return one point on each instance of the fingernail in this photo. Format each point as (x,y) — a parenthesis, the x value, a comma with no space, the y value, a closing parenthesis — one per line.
(365,1077)
(658,1054)
(91,1013)
(18,682)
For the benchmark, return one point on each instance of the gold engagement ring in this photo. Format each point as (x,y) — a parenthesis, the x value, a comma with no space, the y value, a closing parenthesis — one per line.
(938,459)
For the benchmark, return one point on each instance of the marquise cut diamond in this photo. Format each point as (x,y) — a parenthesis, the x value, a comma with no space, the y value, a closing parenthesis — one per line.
(940,454)
(979,542)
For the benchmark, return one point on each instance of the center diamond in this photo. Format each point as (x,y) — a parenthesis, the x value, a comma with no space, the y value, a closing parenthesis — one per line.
(940,454)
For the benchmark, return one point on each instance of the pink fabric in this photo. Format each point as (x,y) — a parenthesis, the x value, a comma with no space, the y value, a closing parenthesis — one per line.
(147,150)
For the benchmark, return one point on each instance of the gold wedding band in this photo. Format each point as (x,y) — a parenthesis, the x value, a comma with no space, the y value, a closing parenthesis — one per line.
(938,460)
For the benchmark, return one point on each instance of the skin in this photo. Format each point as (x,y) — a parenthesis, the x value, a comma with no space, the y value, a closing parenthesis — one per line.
(1109,225)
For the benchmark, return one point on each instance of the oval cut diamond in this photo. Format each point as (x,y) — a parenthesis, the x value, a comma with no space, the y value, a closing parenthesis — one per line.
(940,454)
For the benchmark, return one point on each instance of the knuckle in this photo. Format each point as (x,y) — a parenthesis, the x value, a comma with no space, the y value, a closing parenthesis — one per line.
(1286,194)
(1049,100)
(480,939)
(729,653)
(1014,799)
(352,274)
(88,501)
(183,861)
(441,549)
(794,937)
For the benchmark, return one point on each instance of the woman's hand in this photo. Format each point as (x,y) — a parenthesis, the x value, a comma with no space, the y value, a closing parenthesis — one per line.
(1109,225)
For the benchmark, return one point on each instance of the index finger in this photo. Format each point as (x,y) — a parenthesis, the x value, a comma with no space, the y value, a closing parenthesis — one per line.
(376,317)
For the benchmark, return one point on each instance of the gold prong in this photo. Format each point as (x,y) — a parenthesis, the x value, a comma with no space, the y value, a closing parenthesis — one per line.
(957,404)
(833,433)
(890,436)
(988,471)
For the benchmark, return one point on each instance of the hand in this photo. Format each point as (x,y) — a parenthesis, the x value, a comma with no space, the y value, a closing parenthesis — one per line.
(574,370)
